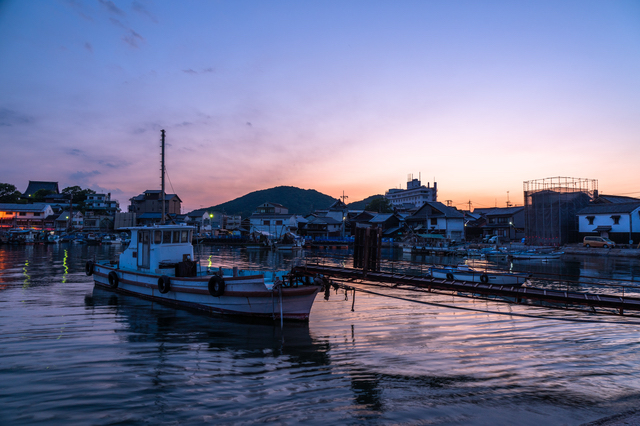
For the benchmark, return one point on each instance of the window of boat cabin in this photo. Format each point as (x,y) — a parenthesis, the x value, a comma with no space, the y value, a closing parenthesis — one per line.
(157,237)
(185,237)
(166,237)
(176,237)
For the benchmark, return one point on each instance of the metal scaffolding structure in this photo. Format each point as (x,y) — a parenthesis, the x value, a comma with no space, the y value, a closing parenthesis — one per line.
(550,208)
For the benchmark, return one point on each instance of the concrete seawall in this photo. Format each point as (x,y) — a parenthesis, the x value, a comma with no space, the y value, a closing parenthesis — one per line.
(617,252)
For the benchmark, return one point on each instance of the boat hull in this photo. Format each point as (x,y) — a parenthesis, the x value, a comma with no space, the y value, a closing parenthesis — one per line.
(479,276)
(245,295)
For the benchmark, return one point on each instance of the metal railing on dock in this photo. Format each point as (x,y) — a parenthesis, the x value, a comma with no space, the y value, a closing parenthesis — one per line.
(556,291)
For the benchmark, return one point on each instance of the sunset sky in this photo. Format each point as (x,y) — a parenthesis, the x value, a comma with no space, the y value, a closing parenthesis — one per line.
(329,95)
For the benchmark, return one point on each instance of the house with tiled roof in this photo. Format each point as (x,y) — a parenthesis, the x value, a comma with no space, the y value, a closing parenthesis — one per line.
(36,185)
(26,216)
(618,221)
(504,222)
(436,218)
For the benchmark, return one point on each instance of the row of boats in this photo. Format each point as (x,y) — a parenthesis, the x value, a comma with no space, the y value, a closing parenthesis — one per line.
(30,236)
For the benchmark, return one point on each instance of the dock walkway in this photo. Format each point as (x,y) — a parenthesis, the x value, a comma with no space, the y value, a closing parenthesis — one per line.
(517,294)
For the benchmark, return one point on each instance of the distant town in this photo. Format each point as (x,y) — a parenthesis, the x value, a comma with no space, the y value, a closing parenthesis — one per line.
(557,211)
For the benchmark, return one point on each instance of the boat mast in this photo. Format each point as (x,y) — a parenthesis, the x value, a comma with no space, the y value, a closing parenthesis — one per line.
(162,179)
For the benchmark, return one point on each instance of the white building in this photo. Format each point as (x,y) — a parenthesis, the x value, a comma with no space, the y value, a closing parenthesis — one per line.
(618,221)
(102,202)
(415,194)
(273,219)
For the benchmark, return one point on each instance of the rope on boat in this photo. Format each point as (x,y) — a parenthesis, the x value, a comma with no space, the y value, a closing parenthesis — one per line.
(444,305)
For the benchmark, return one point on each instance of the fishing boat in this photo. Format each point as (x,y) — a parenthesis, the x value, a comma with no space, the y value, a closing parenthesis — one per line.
(465,273)
(288,242)
(159,265)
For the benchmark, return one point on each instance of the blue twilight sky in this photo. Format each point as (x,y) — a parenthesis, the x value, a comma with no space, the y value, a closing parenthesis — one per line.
(331,95)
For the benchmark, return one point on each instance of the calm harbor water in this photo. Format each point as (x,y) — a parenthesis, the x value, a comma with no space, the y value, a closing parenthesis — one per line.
(74,355)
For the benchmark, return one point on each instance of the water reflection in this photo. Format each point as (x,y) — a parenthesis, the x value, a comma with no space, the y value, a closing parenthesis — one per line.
(150,322)
(70,351)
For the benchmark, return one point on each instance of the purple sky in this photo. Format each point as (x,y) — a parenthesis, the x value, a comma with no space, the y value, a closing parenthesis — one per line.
(328,95)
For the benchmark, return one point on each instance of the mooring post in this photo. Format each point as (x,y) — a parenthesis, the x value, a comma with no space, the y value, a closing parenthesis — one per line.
(353,301)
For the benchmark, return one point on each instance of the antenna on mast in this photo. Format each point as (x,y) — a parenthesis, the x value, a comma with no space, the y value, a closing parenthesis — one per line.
(162,179)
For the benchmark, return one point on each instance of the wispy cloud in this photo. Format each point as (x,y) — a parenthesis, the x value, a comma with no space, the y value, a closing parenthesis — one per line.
(9,117)
(193,72)
(117,23)
(80,9)
(139,7)
(81,176)
(132,38)
(114,165)
(75,152)
(111,7)
(146,127)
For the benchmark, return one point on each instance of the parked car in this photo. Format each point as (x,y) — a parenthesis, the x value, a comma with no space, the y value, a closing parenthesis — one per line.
(597,242)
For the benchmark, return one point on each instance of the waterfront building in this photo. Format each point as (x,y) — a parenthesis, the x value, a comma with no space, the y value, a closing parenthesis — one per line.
(415,195)
(551,206)
(322,227)
(273,219)
(26,216)
(124,220)
(148,206)
(507,223)
(102,203)
(62,222)
(617,221)
(390,223)
(434,218)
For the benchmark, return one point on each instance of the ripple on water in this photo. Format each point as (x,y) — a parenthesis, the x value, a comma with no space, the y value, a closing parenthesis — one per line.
(71,354)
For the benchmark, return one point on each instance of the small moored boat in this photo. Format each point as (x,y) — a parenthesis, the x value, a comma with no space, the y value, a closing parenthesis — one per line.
(534,255)
(465,273)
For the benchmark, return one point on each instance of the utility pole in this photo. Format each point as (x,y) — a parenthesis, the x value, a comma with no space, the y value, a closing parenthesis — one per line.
(162,178)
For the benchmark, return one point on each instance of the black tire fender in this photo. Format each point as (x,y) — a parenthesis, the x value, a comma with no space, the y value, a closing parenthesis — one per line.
(449,276)
(164,284)
(216,286)
(88,268)
(484,278)
(113,279)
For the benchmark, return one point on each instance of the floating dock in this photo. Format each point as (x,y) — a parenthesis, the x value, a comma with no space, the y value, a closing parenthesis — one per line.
(510,293)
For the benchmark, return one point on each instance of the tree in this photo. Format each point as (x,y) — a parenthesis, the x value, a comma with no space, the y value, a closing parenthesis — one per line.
(380,205)
(9,193)
(78,195)
(39,195)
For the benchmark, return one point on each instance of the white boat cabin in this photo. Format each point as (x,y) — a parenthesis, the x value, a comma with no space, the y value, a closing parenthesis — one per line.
(158,249)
